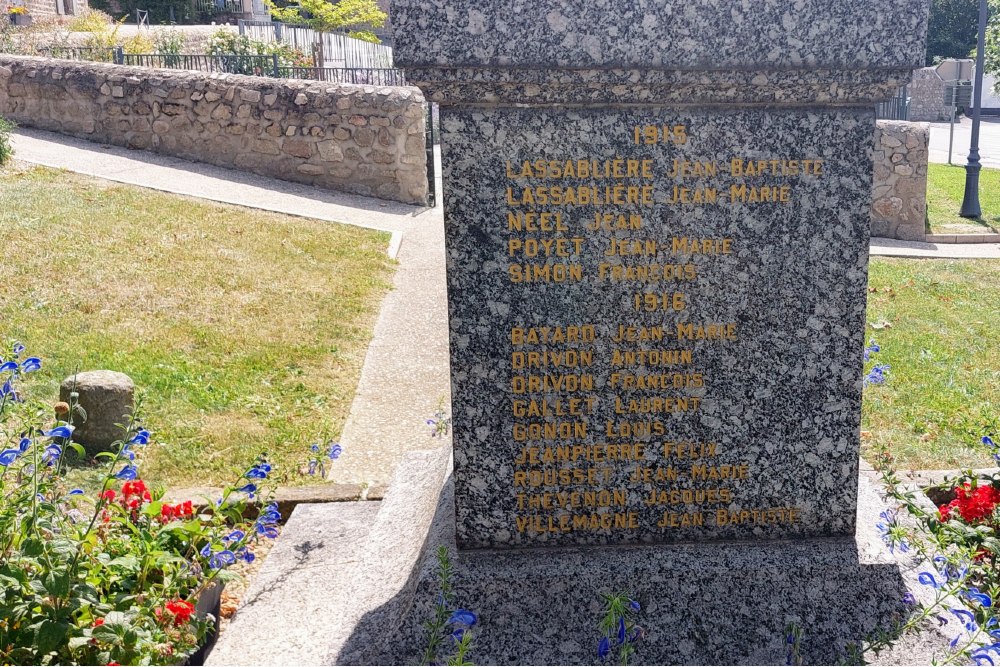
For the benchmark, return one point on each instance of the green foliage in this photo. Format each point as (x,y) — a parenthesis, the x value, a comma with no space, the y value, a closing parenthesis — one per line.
(6,147)
(109,577)
(93,21)
(357,17)
(227,43)
(449,635)
(952,29)
(169,41)
(618,628)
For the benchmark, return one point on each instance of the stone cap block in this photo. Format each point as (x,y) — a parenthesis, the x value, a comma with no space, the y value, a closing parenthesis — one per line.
(672,34)
(668,51)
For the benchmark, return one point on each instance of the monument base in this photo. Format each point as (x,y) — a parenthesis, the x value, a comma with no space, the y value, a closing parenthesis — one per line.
(713,603)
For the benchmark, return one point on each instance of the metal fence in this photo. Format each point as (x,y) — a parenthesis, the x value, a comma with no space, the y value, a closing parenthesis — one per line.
(896,108)
(252,65)
(333,49)
(95,54)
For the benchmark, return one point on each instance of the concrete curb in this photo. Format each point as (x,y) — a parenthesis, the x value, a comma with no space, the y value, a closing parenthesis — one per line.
(962,238)
(287,497)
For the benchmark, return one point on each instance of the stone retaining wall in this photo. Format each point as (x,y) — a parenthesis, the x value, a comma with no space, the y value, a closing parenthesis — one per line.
(926,92)
(359,139)
(899,199)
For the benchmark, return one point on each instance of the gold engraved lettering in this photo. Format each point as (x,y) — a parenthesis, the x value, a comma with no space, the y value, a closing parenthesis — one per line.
(549,431)
(533,221)
(652,357)
(584,333)
(612,222)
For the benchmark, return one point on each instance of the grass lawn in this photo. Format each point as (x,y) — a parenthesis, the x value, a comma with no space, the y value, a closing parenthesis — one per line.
(245,330)
(943,344)
(945,190)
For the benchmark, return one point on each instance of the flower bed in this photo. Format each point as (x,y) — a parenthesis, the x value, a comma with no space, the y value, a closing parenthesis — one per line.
(113,577)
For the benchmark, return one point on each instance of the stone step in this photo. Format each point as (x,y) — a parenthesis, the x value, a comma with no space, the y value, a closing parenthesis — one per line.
(285,616)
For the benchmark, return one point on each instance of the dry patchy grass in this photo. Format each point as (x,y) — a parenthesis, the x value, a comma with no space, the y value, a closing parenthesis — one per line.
(246,330)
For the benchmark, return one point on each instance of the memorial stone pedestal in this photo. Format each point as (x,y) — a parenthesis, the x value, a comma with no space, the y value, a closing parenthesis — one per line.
(657,219)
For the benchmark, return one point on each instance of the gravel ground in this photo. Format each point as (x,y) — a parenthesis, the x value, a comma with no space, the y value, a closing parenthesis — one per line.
(234,592)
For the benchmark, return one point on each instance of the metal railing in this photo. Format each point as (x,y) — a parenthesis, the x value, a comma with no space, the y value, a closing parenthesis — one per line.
(357,75)
(896,108)
(251,65)
(92,54)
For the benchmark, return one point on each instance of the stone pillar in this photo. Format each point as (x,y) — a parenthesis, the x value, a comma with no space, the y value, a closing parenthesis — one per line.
(899,207)
(657,221)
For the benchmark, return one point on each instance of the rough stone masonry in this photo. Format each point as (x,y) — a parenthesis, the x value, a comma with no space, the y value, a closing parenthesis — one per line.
(361,139)
(657,221)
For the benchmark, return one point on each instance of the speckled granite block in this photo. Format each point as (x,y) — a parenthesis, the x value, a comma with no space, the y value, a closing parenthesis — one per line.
(657,228)
(702,603)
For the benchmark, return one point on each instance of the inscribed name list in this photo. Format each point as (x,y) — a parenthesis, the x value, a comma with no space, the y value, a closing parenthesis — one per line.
(656,317)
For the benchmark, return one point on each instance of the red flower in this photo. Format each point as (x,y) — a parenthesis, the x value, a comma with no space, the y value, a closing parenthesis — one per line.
(108,495)
(972,504)
(167,512)
(98,622)
(186,508)
(114,663)
(181,611)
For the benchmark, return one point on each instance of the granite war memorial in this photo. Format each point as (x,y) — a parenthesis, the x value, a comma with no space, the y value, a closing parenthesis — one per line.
(657,222)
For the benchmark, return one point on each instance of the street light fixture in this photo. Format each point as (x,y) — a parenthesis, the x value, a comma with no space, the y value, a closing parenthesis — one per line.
(970,202)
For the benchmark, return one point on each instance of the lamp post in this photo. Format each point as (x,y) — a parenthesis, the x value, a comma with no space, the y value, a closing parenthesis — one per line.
(970,202)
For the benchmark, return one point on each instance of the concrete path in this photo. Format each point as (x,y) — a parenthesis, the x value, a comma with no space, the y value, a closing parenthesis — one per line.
(989,142)
(405,375)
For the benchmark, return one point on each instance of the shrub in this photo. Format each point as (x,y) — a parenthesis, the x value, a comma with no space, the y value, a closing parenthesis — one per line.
(6,147)
(93,21)
(169,41)
(113,576)
(245,53)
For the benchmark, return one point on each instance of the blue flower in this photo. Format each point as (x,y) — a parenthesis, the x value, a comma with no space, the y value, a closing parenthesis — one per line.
(140,438)
(51,454)
(982,598)
(24,444)
(873,346)
(458,634)
(982,658)
(18,349)
(246,555)
(64,431)
(954,642)
(76,492)
(312,466)
(603,648)
(621,630)
(634,605)
(9,366)
(988,441)
(206,550)
(31,364)
(7,456)
(8,390)
(221,559)
(910,600)
(314,448)
(965,617)
(235,536)
(927,579)
(247,488)
(129,472)
(256,472)
(463,616)
(334,451)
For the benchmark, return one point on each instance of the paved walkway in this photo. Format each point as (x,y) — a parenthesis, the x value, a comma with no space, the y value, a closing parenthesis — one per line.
(405,376)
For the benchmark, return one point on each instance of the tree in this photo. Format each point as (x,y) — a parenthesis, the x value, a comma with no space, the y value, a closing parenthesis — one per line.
(952,30)
(358,17)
